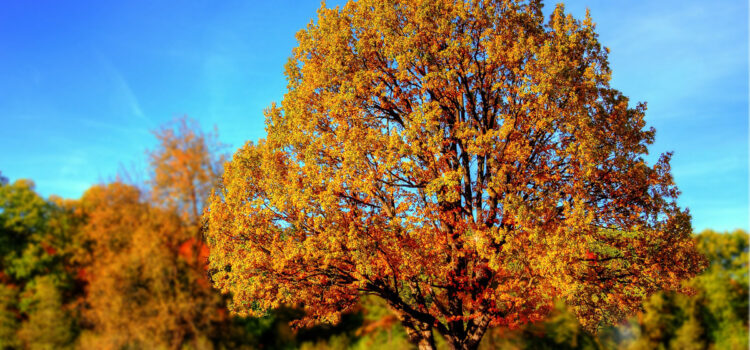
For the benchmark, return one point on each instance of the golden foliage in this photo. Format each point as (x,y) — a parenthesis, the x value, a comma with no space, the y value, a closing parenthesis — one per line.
(186,167)
(466,161)
(136,270)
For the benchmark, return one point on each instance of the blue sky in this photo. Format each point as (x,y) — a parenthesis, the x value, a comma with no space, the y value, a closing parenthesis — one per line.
(83,82)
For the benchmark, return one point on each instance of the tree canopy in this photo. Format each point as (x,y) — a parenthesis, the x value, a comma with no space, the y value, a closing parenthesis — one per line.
(466,161)
(135,269)
(185,167)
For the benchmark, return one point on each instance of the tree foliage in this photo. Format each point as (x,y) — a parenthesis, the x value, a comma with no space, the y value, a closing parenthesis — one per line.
(713,316)
(9,322)
(115,269)
(716,315)
(35,257)
(186,167)
(466,161)
(136,270)
(23,220)
(49,325)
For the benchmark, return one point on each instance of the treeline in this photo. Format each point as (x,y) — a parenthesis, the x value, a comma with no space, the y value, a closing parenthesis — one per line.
(124,267)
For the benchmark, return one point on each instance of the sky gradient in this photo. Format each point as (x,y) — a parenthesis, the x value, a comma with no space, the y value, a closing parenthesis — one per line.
(84,82)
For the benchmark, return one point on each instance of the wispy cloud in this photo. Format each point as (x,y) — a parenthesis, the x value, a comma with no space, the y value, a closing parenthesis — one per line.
(123,89)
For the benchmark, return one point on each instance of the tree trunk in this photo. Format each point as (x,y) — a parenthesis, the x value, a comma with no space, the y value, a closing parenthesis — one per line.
(465,344)
(471,339)
(422,338)
(419,333)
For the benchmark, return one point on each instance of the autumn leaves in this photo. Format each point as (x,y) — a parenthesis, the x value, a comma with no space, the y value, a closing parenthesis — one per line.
(451,158)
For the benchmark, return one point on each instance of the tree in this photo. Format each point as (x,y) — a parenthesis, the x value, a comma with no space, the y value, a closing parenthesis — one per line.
(135,269)
(9,320)
(462,160)
(36,241)
(23,220)
(186,167)
(49,325)
(715,316)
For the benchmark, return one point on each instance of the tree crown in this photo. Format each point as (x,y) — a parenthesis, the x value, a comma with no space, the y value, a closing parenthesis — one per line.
(464,160)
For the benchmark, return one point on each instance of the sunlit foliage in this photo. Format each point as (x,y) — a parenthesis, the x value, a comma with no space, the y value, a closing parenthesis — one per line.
(185,167)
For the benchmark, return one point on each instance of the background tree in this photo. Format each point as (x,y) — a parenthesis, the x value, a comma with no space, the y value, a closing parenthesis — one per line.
(715,315)
(136,270)
(560,330)
(9,320)
(186,167)
(36,243)
(463,160)
(49,325)
(23,220)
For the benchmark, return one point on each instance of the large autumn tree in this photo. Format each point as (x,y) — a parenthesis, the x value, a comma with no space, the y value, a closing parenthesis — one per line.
(466,161)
